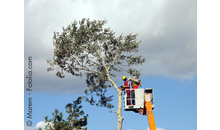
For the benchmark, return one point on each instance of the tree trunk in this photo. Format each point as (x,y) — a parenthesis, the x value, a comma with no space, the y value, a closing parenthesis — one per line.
(119,109)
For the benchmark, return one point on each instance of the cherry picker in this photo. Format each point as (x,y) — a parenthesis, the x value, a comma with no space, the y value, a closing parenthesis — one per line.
(144,104)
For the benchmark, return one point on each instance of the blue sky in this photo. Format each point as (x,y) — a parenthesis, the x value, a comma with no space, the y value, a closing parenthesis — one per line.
(175,107)
(168,30)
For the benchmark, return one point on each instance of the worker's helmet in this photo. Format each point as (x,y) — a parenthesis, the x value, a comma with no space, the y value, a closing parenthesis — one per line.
(124,77)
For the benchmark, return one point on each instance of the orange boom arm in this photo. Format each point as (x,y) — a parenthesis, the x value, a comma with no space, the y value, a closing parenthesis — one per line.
(147,110)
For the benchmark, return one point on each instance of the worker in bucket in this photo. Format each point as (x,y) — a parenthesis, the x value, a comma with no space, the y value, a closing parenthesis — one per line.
(134,83)
(127,91)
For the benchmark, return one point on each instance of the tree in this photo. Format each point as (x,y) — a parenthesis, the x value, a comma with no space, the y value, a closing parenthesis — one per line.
(76,119)
(88,48)
(57,121)
(74,113)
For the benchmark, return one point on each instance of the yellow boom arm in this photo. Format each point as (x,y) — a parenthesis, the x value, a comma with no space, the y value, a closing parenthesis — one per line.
(148,111)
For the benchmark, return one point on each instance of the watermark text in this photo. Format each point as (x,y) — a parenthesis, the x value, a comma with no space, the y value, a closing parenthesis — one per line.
(29,89)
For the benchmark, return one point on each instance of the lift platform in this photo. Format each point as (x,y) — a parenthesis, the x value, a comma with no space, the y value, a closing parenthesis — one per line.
(144,104)
(139,100)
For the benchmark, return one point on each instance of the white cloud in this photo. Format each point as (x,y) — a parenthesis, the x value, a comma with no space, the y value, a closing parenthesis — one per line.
(40,124)
(167,30)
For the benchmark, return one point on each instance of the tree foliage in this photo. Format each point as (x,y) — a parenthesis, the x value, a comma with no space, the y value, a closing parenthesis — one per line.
(73,109)
(76,119)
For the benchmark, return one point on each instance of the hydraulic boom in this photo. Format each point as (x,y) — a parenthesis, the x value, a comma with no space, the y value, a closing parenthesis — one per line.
(148,111)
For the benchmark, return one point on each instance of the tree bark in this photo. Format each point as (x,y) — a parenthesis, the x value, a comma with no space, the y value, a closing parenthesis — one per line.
(119,109)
